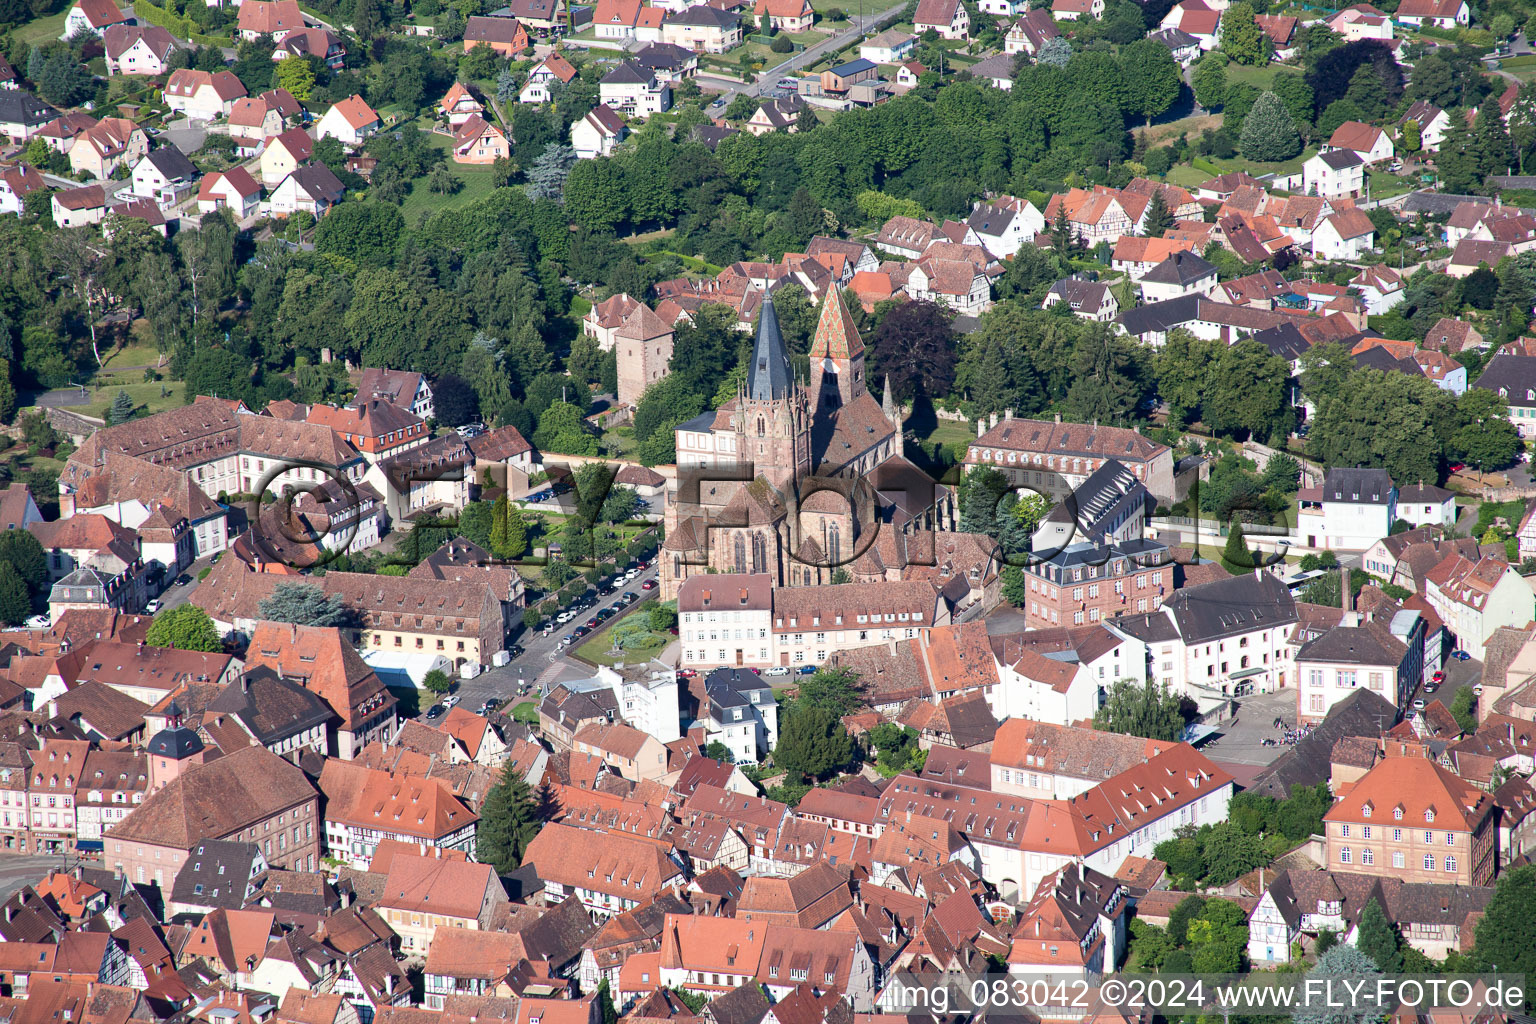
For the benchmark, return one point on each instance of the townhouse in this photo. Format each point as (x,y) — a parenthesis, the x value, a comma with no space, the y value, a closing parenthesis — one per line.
(609,872)
(438,888)
(1054,458)
(1475,598)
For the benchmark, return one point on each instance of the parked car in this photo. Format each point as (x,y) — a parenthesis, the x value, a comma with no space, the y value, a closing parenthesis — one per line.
(488,707)
(1437,677)
(777,670)
(806,670)
(592,623)
(183,580)
(516,651)
(1431,687)
(580,632)
(450,701)
(648,585)
(152,607)
(687,673)
(1461,655)
(1418,705)
(436,711)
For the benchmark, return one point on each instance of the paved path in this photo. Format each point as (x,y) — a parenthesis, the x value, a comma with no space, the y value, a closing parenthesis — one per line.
(17,870)
(768,79)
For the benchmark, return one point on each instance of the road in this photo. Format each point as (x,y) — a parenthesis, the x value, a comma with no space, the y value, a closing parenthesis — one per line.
(17,870)
(541,665)
(768,79)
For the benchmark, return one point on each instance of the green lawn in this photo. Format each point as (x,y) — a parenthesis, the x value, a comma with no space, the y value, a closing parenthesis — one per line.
(476,180)
(41,30)
(598,651)
(1187,176)
(136,354)
(1260,78)
(526,712)
(146,397)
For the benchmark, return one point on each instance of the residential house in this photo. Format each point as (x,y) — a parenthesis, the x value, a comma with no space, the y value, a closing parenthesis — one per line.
(1357,653)
(1380,287)
(137,49)
(202,95)
(437,888)
(112,143)
(1071,10)
(233,189)
(889,47)
(1094,217)
(616,19)
(1512,376)
(1432,121)
(598,133)
(283,154)
(1219,639)
(311,188)
(547,76)
(1424,504)
(1361,21)
(92,17)
(1091,300)
(459,105)
(350,120)
(22,114)
(312,42)
(404,389)
(506,36)
(1005,223)
(1370,143)
(1352,509)
(1412,817)
(1335,174)
(1344,235)
(948,18)
(16,183)
(633,91)
(477,141)
(1474,598)
(1184,47)
(1444,14)
(73,207)
(165,176)
(1058,457)
(609,872)
(785,15)
(366,806)
(275,18)
(1182,273)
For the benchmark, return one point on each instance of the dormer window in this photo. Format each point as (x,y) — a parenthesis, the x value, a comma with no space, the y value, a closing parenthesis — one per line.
(1365,812)
(1397,814)
(1429,814)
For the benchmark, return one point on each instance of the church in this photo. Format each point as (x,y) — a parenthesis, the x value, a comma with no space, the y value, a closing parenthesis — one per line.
(807,482)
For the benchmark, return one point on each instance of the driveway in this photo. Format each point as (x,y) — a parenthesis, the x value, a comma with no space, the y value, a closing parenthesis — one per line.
(541,666)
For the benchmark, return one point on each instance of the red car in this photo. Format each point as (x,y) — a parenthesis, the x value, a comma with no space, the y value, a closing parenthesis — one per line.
(687,673)
(648,585)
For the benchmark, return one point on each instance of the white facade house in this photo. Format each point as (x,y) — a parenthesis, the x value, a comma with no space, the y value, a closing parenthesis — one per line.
(598,134)
(1346,235)
(742,713)
(1427,505)
(634,91)
(1337,174)
(1475,598)
(1353,509)
(350,120)
(1005,223)
(165,176)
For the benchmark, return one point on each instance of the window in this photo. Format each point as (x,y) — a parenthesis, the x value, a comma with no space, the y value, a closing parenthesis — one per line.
(1429,838)
(1344,856)
(1429,862)
(1397,814)
(1365,832)
(1344,831)
(1365,812)
(1367,856)
(1429,814)
(1450,863)
(1398,860)
(1450,839)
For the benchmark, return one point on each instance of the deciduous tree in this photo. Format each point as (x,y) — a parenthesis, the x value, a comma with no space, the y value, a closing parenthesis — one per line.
(186,628)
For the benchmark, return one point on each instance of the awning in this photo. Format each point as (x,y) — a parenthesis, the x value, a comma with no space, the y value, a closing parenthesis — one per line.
(93,845)
(1247,672)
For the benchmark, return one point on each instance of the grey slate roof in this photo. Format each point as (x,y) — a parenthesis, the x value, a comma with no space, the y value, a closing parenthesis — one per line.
(1338,159)
(627,73)
(1513,376)
(1223,608)
(319,183)
(744,1005)
(1182,268)
(218,873)
(1362,713)
(172,163)
(704,14)
(1357,486)
(1161,316)
(768,375)
(1284,341)
(17,106)
(1371,643)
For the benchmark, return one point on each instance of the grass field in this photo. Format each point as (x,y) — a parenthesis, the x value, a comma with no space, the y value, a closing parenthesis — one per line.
(1260,78)
(146,397)
(134,355)
(476,178)
(41,30)
(526,712)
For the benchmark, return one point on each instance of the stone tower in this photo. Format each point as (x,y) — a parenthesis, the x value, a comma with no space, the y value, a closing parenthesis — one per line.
(837,355)
(173,750)
(893,416)
(773,418)
(643,347)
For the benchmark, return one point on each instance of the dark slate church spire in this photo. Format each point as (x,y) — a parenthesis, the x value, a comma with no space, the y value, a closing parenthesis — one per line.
(768,375)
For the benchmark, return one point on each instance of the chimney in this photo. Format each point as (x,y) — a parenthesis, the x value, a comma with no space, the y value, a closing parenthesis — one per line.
(245,684)
(1058,417)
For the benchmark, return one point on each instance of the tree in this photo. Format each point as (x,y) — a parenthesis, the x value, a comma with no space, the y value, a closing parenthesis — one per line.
(1458,161)
(1056,52)
(742,107)
(1378,938)
(547,174)
(1504,933)
(1411,139)
(304,604)
(1241,37)
(122,409)
(1134,709)
(454,401)
(15,603)
(1015,588)
(1490,138)
(1235,556)
(1151,77)
(1158,218)
(1179,918)
(508,822)
(1464,709)
(717,751)
(22,552)
(833,689)
(813,744)
(297,77)
(1269,134)
(1209,80)
(1230,853)
(1485,438)
(436,681)
(1218,935)
(185,628)
(1339,962)
(914,347)
(1367,93)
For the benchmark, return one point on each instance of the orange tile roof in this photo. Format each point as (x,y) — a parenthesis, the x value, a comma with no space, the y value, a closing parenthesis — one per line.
(1417,787)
